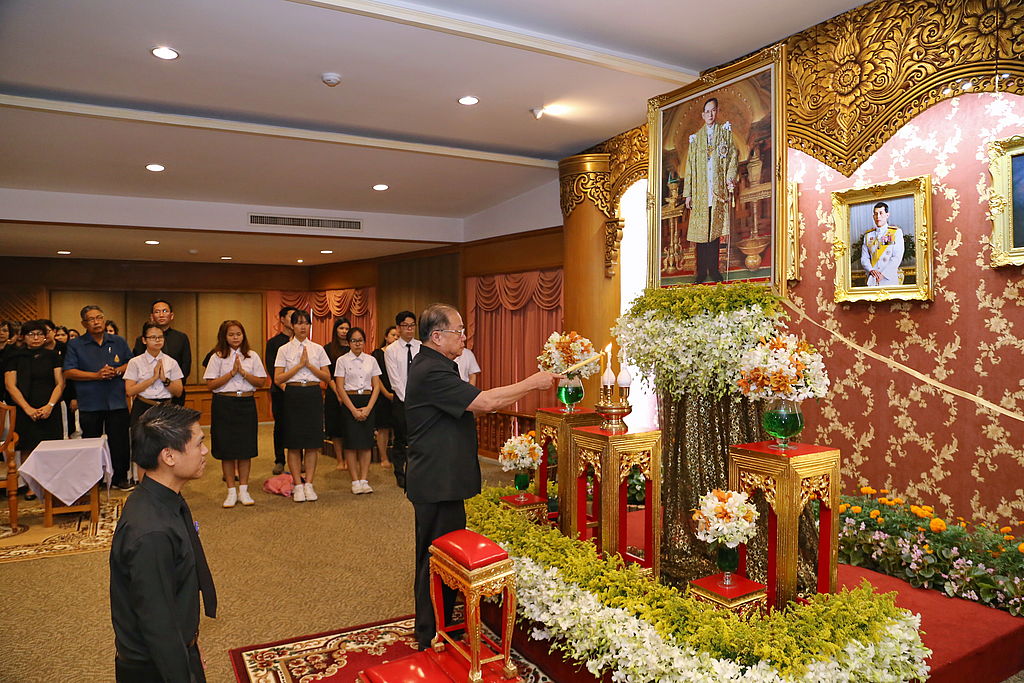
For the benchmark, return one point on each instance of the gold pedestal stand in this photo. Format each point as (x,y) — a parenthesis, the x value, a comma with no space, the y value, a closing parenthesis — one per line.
(554,427)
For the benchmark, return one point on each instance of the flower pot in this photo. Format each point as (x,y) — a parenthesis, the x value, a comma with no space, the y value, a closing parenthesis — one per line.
(782,420)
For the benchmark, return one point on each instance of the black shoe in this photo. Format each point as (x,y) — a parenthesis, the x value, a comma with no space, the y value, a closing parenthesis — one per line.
(123,485)
(278,468)
(30,496)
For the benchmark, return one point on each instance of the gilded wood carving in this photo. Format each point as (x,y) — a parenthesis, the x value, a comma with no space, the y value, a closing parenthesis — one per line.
(1007,168)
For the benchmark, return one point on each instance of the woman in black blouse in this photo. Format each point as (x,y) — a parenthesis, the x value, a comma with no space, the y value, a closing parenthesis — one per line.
(382,409)
(335,349)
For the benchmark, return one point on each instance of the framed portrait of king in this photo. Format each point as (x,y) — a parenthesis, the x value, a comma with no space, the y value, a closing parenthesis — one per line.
(717,170)
(1006,201)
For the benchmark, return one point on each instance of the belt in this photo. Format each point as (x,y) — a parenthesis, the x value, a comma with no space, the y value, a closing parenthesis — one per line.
(236,394)
(360,392)
(152,402)
(307,383)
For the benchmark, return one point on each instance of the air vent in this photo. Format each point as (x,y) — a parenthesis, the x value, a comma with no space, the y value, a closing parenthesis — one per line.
(318,224)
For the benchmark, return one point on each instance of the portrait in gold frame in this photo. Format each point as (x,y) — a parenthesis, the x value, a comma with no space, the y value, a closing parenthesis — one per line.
(752,246)
(864,250)
(1006,201)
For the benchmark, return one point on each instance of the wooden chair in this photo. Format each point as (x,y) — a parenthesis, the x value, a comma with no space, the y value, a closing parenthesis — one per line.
(8,444)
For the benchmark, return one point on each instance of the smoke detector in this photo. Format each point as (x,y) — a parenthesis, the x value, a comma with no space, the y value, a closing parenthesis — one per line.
(330,79)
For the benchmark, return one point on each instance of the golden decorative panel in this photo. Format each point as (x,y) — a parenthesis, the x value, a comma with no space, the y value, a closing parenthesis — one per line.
(815,488)
(612,240)
(582,177)
(628,160)
(751,482)
(1004,156)
(588,456)
(856,79)
(630,459)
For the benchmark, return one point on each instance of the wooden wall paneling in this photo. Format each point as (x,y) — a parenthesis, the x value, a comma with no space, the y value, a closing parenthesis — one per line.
(24,303)
(185,320)
(537,250)
(414,284)
(216,307)
(66,306)
(350,275)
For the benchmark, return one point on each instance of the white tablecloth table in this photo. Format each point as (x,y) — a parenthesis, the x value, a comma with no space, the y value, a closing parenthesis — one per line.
(68,469)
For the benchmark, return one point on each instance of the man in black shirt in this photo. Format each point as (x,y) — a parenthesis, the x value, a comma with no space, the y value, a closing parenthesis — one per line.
(157,564)
(443,469)
(274,344)
(176,344)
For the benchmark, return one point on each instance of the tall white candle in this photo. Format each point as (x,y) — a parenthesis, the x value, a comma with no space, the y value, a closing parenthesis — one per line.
(625,378)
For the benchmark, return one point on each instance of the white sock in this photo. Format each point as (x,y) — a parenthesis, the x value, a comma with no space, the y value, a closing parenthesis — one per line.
(243,487)
(231,489)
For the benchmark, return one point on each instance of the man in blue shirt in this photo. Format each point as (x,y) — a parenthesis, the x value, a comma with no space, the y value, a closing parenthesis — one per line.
(96,362)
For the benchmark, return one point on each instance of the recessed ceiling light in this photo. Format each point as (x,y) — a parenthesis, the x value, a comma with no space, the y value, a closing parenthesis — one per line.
(469,100)
(155,168)
(152,242)
(298,260)
(64,252)
(164,52)
(380,187)
(225,258)
(326,251)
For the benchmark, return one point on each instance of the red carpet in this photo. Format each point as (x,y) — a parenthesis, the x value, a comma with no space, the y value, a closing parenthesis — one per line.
(969,642)
(338,656)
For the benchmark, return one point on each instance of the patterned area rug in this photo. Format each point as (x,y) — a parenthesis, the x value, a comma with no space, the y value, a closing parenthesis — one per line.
(70,534)
(339,656)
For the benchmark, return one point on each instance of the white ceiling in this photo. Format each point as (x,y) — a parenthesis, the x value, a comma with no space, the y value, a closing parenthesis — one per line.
(243,118)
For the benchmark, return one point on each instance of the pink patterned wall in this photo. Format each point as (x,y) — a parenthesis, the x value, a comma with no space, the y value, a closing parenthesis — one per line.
(894,430)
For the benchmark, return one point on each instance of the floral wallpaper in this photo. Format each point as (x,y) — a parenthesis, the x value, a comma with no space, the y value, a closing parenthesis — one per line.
(925,442)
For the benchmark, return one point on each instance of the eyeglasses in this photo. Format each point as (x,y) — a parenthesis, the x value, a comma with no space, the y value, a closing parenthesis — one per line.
(95,319)
(152,338)
(461,333)
(356,341)
(407,325)
(35,333)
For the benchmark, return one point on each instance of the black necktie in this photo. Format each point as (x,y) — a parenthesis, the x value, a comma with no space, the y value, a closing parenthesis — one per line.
(408,355)
(206,586)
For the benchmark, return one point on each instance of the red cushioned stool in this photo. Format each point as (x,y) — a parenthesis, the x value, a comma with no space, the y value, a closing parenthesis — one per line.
(477,567)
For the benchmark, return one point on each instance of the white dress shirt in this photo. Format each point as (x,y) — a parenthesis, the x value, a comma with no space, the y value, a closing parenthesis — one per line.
(141,368)
(397,363)
(358,371)
(218,367)
(288,357)
(467,364)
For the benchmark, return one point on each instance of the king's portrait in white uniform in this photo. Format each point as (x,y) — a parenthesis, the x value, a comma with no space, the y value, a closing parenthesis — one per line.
(883,248)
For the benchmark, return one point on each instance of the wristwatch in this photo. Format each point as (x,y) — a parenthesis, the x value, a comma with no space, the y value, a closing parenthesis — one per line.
(167,382)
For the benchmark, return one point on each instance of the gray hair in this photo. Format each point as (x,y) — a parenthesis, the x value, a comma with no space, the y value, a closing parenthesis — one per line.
(435,317)
(86,309)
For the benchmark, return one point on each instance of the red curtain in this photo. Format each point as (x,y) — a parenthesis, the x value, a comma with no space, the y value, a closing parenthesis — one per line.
(508,318)
(358,305)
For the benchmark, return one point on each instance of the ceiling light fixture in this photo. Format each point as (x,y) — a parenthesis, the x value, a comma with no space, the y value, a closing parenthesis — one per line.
(225,258)
(155,168)
(537,112)
(326,251)
(380,187)
(164,52)
(63,252)
(330,79)
(469,100)
(550,110)
(152,242)
(298,260)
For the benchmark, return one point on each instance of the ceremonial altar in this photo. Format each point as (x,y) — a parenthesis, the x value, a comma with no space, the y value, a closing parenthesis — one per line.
(554,427)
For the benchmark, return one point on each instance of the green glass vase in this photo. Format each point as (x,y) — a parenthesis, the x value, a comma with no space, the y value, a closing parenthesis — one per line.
(522,481)
(728,560)
(782,420)
(570,392)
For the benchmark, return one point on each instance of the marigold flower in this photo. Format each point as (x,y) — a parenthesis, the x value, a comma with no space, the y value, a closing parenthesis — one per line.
(1006,530)
(937,525)
(1009,537)
(928,508)
(880,520)
(920,528)
(868,491)
(883,500)
(1020,548)
(963,524)
(883,490)
(843,507)
(875,513)
(856,509)
(897,501)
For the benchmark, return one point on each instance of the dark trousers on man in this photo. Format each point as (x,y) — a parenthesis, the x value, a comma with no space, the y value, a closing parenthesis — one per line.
(707,261)
(433,520)
(400,444)
(277,408)
(113,423)
(126,671)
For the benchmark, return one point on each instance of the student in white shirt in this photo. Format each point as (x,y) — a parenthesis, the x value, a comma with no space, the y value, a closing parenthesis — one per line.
(153,377)
(397,358)
(234,373)
(357,380)
(469,369)
(300,366)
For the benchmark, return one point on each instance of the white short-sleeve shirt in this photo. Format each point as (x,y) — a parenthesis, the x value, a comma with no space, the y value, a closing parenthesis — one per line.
(288,357)
(218,367)
(140,368)
(467,364)
(358,371)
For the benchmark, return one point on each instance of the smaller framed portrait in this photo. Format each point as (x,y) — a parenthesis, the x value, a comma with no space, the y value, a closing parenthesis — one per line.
(1006,201)
(883,242)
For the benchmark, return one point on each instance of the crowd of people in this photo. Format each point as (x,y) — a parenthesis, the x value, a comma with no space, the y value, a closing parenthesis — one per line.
(65,383)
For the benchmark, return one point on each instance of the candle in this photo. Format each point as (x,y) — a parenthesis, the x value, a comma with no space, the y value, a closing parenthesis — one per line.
(625,378)
(608,378)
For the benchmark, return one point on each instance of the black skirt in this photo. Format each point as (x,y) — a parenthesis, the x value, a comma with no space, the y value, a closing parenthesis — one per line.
(303,417)
(358,436)
(382,413)
(333,415)
(234,425)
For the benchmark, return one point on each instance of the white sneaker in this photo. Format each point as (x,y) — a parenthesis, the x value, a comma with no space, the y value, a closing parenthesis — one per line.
(310,493)
(366,487)
(243,496)
(357,487)
(299,493)
(232,498)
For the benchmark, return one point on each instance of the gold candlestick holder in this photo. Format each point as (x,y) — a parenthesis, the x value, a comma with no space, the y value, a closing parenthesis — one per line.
(613,405)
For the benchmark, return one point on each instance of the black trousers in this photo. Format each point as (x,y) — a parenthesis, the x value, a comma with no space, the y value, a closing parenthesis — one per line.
(400,443)
(126,671)
(433,520)
(707,261)
(113,423)
(277,408)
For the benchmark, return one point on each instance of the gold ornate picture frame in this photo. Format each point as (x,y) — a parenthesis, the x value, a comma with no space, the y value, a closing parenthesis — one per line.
(1006,201)
(883,244)
(740,234)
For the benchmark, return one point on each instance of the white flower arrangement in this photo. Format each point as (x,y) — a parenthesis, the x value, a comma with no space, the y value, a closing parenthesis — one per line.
(725,517)
(563,350)
(520,453)
(783,367)
(699,354)
(610,638)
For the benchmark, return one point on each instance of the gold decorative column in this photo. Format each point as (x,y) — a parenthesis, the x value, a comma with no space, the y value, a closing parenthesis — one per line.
(591,232)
